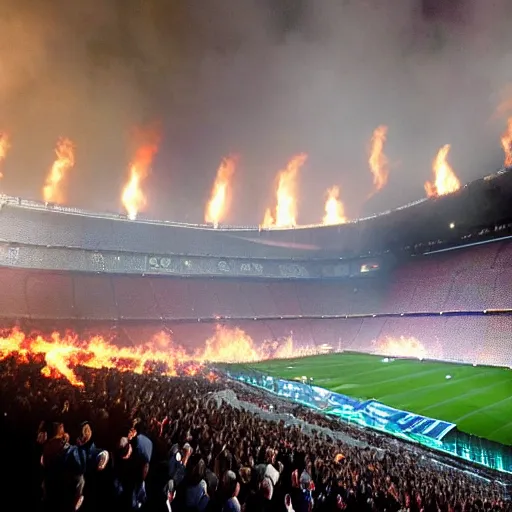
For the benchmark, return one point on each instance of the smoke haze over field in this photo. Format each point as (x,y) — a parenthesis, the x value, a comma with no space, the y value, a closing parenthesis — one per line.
(264,79)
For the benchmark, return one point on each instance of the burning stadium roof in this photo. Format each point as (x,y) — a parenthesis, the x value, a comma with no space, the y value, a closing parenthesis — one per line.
(478,211)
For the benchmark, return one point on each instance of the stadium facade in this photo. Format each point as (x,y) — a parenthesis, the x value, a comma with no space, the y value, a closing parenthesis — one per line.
(437,272)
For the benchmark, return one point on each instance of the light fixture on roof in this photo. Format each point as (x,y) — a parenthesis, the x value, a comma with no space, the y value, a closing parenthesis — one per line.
(452,225)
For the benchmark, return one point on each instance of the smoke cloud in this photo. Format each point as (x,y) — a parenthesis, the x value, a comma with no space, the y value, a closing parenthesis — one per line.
(265,79)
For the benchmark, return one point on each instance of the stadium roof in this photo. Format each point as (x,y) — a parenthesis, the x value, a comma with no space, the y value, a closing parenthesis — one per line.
(479,211)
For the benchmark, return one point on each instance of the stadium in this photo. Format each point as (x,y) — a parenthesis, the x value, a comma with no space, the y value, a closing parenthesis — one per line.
(397,324)
(256,256)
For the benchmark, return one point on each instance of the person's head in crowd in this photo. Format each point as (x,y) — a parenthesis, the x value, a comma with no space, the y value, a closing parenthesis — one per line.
(245,475)
(56,444)
(85,434)
(186,453)
(231,489)
(272,473)
(58,431)
(102,460)
(295,478)
(230,484)
(197,470)
(267,488)
(124,448)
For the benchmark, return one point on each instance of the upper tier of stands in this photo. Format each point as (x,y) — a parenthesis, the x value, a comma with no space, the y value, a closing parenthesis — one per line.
(475,278)
(472,279)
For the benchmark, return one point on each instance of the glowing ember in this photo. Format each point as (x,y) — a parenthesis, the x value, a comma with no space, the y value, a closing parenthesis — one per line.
(401,347)
(286,195)
(445,181)
(378,161)
(334,209)
(52,191)
(218,204)
(506,143)
(4,147)
(133,198)
(63,353)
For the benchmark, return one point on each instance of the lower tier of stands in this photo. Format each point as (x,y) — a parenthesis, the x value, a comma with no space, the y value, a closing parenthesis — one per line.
(481,339)
(43,294)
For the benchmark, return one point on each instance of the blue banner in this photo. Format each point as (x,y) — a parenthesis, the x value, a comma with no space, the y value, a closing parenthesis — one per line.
(369,413)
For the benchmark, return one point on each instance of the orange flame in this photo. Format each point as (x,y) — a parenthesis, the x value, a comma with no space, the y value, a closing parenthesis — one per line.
(379,164)
(4,147)
(286,195)
(65,151)
(506,143)
(229,345)
(334,209)
(445,181)
(133,198)
(216,208)
(234,345)
(63,353)
(401,347)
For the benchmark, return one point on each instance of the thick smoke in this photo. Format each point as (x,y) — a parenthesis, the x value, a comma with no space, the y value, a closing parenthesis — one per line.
(264,79)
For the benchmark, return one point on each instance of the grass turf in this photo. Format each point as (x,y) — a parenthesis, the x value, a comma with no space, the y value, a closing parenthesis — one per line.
(477,399)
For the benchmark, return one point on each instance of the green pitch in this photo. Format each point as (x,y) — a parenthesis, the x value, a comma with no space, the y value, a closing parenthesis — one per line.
(477,399)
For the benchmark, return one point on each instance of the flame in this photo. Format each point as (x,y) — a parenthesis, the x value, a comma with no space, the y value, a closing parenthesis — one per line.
(334,209)
(229,345)
(4,147)
(286,195)
(445,181)
(401,347)
(233,345)
(133,198)
(506,143)
(216,208)
(65,151)
(379,164)
(62,353)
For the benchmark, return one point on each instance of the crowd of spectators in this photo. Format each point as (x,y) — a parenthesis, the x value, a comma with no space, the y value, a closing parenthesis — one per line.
(126,442)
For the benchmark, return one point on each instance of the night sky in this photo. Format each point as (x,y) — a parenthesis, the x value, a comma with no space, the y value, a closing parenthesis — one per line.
(265,79)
